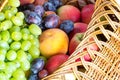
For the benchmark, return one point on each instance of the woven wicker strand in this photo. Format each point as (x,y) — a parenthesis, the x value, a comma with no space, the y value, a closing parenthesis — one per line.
(105,64)
(2,4)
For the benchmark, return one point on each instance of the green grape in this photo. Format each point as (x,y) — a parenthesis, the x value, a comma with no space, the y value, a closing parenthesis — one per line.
(17,21)
(14,28)
(25,45)
(2,65)
(25,36)
(10,67)
(30,37)
(2,76)
(8,71)
(6,7)
(0,37)
(14,3)
(4,44)
(19,74)
(5,35)
(12,78)
(29,57)
(34,51)
(25,30)
(16,36)
(25,65)
(8,14)
(10,40)
(2,57)
(15,45)
(2,16)
(34,29)
(21,55)
(11,55)
(20,15)
(35,42)
(3,51)
(17,63)
(14,10)
(5,25)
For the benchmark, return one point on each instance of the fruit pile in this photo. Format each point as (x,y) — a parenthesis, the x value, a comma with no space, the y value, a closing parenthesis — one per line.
(37,36)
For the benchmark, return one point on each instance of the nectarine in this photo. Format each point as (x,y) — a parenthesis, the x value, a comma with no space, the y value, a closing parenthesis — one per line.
(53,41)
(55,61)
(69,12)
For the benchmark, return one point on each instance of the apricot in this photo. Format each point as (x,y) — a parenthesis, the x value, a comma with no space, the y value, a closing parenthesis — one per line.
(53,41)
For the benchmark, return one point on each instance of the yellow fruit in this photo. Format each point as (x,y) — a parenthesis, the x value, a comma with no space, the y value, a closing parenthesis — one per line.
(53,41)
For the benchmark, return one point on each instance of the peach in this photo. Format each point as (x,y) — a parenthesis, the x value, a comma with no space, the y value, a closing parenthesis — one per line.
(55,61)
(69,12)
(53,41)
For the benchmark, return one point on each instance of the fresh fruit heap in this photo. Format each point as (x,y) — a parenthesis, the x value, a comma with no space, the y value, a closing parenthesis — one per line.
(37,36)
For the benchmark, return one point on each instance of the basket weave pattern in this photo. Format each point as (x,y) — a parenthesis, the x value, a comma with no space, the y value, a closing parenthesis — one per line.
(105,63)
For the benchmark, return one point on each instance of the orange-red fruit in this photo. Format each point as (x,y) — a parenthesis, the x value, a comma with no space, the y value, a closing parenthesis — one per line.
(86,13)
(74,42)
(49,12)
(79,27)
(55,61)
(53,41)
(23,2)
(69,12)
(39,2)
(43,73)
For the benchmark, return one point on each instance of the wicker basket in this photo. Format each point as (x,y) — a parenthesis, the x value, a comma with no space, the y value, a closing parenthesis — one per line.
(104,28)
(2,4)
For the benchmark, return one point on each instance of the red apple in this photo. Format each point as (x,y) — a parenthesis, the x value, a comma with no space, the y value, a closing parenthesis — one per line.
(22,2)
(79,27)
(87,58)
(69,12)
(55,61)
(86,13)
(74,42)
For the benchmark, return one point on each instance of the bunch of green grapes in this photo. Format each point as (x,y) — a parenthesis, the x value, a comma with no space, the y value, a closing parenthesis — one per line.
(18,45)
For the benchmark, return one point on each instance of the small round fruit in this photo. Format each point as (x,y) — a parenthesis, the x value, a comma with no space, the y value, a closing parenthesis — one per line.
(67,26)
(69,12)
(37,65)
(51,21)
(43,73)
(53,41)
(48,6)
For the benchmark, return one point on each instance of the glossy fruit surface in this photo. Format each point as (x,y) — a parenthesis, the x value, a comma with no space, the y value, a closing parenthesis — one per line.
(37,65)
(67,26)
(53,41)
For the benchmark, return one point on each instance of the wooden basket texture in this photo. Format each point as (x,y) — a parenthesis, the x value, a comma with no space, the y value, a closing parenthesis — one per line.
(104,28)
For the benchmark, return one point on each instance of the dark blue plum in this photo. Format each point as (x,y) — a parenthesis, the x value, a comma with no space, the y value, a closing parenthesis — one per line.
(32,17)
(39,10)
(42,26)
(56,3)
(26,7)
(67,26)
(48,6)
(51,21)
(33,77)
(37,65)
